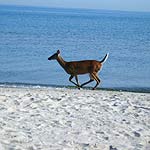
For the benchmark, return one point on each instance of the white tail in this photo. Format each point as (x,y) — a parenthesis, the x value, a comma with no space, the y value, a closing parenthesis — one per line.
(105,58)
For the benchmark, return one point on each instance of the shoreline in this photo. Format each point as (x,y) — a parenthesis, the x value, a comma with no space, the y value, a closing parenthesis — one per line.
(64,119)
(121,89)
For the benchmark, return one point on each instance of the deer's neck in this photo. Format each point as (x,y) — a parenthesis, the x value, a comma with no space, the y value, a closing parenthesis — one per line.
(61,62)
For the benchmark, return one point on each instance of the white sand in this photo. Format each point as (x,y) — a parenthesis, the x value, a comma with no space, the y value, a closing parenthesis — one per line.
(71,119)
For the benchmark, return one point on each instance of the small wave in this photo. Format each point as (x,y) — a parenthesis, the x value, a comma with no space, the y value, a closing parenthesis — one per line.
(8,84)
(30,85)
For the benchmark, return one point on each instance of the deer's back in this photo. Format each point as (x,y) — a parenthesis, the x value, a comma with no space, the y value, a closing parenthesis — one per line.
(83,67)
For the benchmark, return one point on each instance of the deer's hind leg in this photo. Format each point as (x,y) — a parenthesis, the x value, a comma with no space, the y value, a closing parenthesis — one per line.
(91,80)
(96,78)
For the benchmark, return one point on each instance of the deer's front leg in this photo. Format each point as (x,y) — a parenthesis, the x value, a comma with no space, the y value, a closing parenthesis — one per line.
(77,84)
(76,77)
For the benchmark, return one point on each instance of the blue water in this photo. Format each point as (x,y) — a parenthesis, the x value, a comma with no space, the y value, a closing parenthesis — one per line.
(28,36)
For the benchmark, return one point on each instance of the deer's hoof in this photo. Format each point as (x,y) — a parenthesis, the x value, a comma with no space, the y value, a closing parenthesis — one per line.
(78,87)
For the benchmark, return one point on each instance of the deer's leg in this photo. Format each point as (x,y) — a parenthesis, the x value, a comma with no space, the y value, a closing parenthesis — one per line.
(70,79)
(96,78)
(91,80)
(76,77)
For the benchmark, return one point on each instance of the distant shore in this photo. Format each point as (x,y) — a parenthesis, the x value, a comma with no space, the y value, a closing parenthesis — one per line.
(63,118)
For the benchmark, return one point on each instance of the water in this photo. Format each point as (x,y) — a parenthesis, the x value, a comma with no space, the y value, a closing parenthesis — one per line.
(28,36)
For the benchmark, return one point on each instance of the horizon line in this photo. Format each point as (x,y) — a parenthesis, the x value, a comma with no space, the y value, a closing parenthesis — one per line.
(83,8)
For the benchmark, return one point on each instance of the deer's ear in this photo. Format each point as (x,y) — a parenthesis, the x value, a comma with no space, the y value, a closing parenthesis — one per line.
(58,52)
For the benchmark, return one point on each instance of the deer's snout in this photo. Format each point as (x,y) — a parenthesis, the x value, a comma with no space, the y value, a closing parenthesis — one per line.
(49,58)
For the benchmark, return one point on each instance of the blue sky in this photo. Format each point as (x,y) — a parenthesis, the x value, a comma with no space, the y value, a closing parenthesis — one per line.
(129,5)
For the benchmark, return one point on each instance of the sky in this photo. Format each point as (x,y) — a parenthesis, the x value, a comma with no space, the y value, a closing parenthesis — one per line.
(125,5)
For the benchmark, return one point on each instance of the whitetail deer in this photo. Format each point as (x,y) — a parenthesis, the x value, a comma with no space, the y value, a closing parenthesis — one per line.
(75,68)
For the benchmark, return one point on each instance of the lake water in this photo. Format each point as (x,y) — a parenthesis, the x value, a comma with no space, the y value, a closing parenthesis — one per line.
(29,35)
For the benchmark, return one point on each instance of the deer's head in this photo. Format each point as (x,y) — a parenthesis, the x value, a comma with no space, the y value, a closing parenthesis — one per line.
(54,56)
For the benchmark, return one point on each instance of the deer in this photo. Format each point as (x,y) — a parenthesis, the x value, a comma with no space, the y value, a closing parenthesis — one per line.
(75,68)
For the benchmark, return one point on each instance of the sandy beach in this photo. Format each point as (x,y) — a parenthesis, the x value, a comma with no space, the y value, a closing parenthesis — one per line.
(72,119)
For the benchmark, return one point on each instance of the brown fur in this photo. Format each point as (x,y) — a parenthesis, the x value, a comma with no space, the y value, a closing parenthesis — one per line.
(83,67)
